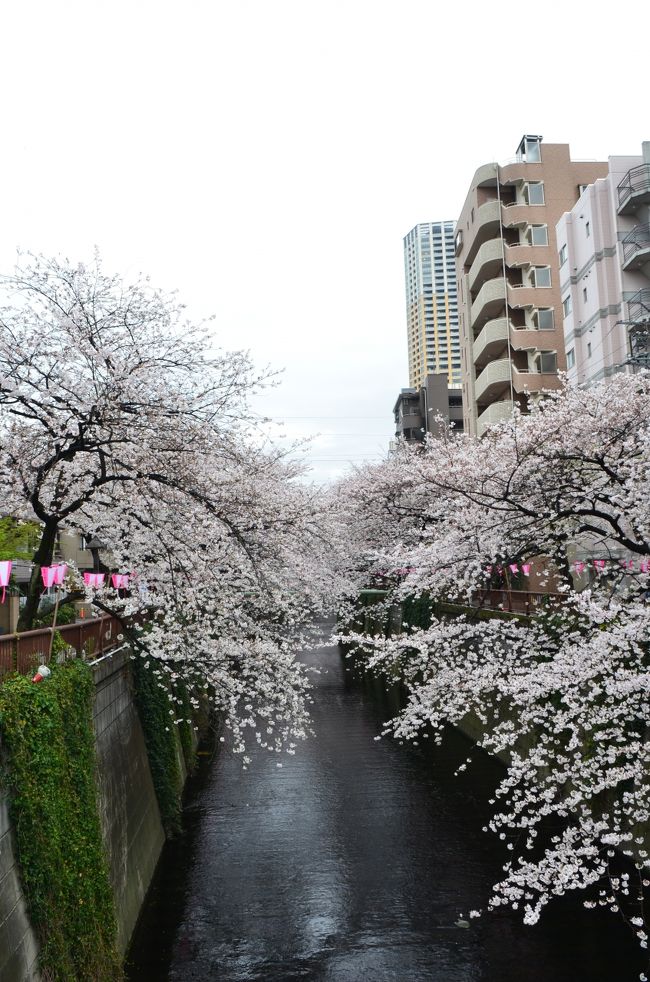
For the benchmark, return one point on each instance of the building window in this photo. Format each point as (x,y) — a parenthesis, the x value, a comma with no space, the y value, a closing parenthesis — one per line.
(566,305)
(588,229)
(582,188)
(546,361)
(570,358)
(562,255)
(584,293)
(588,349)
(541,275)
(534,193)
(543,319)
(533,151)
(537,235)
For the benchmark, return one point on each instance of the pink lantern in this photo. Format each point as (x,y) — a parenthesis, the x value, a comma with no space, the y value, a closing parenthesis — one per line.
(579,568)
(94,579)
(59,573)
(525,568)
(644,565)
(488,570)
(120,580)
(513,568)
(599,564)
(48,573)
(5,573)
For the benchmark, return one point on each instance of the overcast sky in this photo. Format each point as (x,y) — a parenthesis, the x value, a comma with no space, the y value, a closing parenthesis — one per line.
(266,157)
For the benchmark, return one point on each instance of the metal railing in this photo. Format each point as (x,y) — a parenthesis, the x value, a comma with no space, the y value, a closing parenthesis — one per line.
(635,241)
(637,179)
(24,652)
(516,601)
(639,306)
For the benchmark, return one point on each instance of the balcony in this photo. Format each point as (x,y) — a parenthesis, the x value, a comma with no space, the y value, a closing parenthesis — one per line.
(486,226)
(496,413)
(527,255)
(489,302)
(526,382)
(524,339)
(528,296)
(638,306)
(494,381)
(634,189)
(636,247)
(487,264)
(490,341)
(519,215)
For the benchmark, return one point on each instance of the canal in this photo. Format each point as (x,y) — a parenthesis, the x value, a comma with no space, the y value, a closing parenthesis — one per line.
(353,861)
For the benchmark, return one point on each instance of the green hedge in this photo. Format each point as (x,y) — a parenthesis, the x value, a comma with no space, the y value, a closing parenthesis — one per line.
(49,771)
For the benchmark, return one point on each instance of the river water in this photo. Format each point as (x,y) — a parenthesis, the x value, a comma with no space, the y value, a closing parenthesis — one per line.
(353,863)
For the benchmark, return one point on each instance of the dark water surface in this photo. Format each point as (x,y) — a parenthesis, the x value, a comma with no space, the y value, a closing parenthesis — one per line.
(353,863)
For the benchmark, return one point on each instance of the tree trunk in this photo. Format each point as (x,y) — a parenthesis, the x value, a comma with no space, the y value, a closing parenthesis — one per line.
(42,557)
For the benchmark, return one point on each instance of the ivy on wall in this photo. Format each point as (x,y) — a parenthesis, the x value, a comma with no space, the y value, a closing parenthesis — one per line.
(157,712)
(49,771)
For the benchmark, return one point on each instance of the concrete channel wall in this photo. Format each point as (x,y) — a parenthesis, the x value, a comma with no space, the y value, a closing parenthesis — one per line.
(130,818)
(133,833)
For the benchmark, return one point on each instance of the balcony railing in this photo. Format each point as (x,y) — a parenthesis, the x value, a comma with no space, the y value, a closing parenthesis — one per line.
(496,413)
(494,376)
(639,306)
(637,241)
(517,601)
(634,184)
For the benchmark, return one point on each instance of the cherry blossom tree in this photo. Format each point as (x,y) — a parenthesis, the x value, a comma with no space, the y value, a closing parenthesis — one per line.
(560,696)
(119,419)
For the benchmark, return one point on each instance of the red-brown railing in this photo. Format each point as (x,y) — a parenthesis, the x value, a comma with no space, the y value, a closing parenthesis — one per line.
(89,639)
(516,601)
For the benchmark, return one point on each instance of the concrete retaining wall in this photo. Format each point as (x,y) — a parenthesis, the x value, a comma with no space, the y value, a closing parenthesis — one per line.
(130,818)
(133,833)
(18,947)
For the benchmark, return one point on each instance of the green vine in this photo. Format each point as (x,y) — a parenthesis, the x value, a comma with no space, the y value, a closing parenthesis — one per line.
(50,770)
(185,728)
(157,713)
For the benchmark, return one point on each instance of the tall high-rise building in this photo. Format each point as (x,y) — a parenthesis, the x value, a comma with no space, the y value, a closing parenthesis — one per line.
(510,298)
(431,303)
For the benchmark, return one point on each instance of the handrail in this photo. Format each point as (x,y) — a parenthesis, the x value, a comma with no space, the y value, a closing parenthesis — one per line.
(639,305)
(25,650)
(514,601)
(636,179)
(639,236)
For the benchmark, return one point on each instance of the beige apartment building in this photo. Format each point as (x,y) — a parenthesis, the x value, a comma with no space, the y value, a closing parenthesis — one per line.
(509,301)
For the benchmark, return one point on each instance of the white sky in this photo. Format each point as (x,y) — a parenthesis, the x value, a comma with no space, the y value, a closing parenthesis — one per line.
(266,157)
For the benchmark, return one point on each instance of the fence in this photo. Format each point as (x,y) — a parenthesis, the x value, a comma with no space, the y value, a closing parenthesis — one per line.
(515,601)
(87,639)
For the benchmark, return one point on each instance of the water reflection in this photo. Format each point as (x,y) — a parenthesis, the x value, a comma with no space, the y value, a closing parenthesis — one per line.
(352,862)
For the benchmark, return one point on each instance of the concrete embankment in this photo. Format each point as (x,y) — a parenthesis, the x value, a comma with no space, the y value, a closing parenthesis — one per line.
(129,814)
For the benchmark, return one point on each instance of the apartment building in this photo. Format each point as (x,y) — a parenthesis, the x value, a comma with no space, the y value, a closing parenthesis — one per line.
(604,264)
(509,298)
(428,409)
(431,303)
